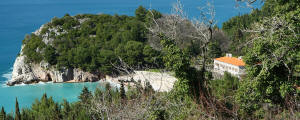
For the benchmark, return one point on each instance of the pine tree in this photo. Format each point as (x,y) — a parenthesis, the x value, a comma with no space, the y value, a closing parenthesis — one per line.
(44,99)
(17,111)
(66,109)
(56,111)
(98,93)
(140,13)
(122,91)
(2,114)
(85,95)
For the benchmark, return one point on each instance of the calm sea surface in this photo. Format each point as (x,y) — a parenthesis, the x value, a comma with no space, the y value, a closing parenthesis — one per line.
(20,17)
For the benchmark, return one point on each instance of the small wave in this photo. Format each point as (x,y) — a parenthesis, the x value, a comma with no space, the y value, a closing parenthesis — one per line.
(43,83)
(3,85)
(22,84)
(8,75)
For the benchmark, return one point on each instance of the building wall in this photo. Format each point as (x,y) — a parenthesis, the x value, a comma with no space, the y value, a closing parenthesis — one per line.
(221,67)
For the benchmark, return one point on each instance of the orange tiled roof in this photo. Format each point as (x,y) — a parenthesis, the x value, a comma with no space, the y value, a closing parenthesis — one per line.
(231,60)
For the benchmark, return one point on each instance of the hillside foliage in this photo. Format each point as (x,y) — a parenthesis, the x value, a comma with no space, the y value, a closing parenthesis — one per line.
(268,38)
(94,42)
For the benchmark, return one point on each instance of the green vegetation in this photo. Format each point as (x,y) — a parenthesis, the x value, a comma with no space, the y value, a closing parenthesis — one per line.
(234,27)
(178,61)
(154,70)
(271,61)
(2,114)
(85,95)
(96,43)
(110,104)
(225,88)
(50,55)
(32,49)
(17,112)
(272,57)
(269,91)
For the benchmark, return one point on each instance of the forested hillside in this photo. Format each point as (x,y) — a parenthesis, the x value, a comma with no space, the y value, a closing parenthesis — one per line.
(235,28)
(95,42)
(271,50)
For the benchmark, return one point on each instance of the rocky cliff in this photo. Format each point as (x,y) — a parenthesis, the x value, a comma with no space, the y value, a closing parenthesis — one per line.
(28,73)
(32,73)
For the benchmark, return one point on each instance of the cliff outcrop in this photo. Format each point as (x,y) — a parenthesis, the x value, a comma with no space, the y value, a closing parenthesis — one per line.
(28,73)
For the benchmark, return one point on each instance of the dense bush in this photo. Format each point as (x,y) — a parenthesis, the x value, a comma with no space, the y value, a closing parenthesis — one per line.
(235,26)
(225,88)
(33,48)
(50,55)
(270,86)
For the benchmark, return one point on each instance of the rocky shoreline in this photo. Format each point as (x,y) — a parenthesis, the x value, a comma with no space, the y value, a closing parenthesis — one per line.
(29,73)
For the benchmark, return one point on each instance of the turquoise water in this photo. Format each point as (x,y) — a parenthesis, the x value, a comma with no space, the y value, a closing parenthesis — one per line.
(27,94)
(20,17)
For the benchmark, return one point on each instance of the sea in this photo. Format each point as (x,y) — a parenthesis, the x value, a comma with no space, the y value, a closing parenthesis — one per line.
(21,17)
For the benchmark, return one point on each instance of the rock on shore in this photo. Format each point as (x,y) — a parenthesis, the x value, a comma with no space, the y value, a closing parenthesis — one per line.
(34,72)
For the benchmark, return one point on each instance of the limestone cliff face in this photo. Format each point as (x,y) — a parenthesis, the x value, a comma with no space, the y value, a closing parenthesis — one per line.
(34,72)
(28,73)
(22,73)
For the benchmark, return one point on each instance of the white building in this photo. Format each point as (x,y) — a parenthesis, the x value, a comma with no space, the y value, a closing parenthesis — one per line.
(233,65)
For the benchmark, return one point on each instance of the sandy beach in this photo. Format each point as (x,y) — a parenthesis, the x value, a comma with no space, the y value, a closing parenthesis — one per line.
(161,82)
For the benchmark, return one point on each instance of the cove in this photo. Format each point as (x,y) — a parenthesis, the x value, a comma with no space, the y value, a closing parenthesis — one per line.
(27,94)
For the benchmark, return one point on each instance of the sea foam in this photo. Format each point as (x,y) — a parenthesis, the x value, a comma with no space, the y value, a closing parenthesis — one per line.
(8,75)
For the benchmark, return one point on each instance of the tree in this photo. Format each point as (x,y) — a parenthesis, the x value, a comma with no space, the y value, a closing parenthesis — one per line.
(140,13)
(105,58)
(153,14)
(88,44)
(27,114)
(133,53)
(32,48)
(2,114)
(98,93)
(151,56)
(17,111)
(66,109)
(122,91)
(85,95)
(191,81)
(273,53)
(225,88)
(214,50)
(50,55)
